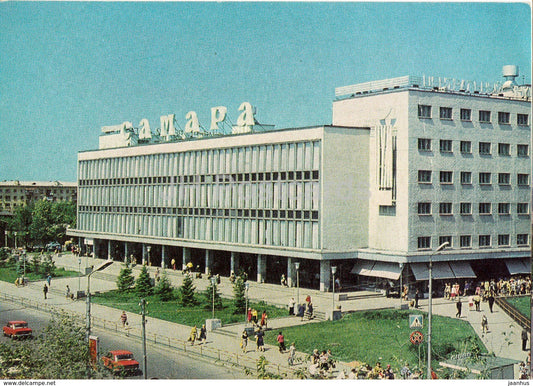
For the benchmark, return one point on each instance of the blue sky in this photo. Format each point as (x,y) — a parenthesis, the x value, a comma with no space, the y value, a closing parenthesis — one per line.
(68,68)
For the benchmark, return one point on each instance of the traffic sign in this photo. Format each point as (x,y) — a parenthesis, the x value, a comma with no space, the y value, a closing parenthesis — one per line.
(416,337)
(416,321)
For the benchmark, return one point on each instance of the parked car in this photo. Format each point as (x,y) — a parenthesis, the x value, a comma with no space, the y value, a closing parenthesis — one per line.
(121,362)
(53,246)
(17,329)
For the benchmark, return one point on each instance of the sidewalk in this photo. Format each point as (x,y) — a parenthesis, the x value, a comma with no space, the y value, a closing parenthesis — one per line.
(503,338)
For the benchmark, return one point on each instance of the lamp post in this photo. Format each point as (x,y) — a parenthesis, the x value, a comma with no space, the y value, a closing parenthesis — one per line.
(15,233)
(430,298)
(213,284)
(400,291)
(333,271)
(297,266)
(88,300)
(148,249)
(246,285)
(79,273)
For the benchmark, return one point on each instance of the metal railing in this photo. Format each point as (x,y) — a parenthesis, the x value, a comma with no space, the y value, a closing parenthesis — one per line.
(510,310)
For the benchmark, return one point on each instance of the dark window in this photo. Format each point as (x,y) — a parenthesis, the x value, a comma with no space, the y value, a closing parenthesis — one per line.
(484,240)
(424,208)
(424,242)
(445,146)
(484,178)
(466,208)
(522,239)
(504,118)
(466,115)
(523,179)
(466,241)
(504,178)
(484,116)
(504,208)
(484,208)
(424,111)
(446,177)
(445,208)
(424,176)
(445,113)
(484,148)
(424,144)
(522,119)
(466,178)
(503,240)
(522,208)
(466,147)
(522,150)
(445,239)
(504,149)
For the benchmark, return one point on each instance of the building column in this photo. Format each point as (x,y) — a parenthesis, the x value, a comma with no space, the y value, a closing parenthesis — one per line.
(126,251)
(234,262)
(145,255)
(261,268)
(325,274)
(109,247)
(290,272)
(163,256)
(208,261)
(186,257)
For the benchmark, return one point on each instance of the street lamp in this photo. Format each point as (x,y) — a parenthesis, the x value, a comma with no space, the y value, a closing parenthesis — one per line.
(79,273)
(149,248)
(88,300)
(213,284)
(297,266)
(430,298)
(246,285)
(15,233)
(400,291)
(333,271)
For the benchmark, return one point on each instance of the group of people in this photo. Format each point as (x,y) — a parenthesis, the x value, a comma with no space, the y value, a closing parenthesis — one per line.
(197,335)
(484,289)
(252,318)
(304,311)
(322,363)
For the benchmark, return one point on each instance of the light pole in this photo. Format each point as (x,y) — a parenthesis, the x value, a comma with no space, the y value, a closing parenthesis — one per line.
(15,233)
(24,257)
(297,266)
(246,285)
(430,298)
(79,273)
(88,300)
(213,284)
(148,249)
(400,291)
(333,271)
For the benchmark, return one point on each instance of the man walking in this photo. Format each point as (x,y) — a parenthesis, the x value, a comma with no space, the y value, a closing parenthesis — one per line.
(281,342)
(459,306)
(417,296)
(491,301)
(524,340)
(45,290)
(291,306)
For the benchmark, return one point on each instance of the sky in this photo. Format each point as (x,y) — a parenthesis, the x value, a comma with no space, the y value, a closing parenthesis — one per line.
(69,68)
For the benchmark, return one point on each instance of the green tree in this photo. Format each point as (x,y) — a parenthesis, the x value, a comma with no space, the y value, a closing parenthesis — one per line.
(239,299)
(48,266)
(143,284)
(125,279)
(36,263)
(208,297)
(163,288)
(187,296)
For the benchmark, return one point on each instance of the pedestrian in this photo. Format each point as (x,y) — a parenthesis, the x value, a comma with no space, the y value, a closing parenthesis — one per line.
(49,279)
(244,341)
(477,302)
(484,324)
(458,305)
(283,280)
(249,317)
(470,303)
(254,316)
(292,303)
(292,353)
(67,292)
(45,290)
(264,318)
(524,340)
(491,301)
(281,342)
(192,336)
(203,333)
(124,319)
(417,296)
(173,264)
(259,336)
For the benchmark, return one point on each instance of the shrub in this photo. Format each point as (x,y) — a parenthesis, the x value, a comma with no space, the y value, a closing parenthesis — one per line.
(125,279)
(164,289)
(187,297)
(239,300)
(143,284)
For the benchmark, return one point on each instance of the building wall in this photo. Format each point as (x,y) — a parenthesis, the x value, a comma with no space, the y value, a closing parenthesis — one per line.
(18,193)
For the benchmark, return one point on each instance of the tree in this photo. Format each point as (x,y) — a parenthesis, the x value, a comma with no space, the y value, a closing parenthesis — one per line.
(208,297)
(48,266)
(164,289)
(187,296)
(125,279)
(239,300)
(36,263)
(143,284)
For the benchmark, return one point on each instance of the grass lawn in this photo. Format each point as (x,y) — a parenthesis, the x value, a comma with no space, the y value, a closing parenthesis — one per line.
(371,336)
(9,273)
(173,311)
(522,304)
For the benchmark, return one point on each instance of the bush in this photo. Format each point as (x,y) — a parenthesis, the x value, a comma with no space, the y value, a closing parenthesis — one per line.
(187,297)
(239,300)
(143,284)
(36,264)
(125,279)
(48,266)
(164,289)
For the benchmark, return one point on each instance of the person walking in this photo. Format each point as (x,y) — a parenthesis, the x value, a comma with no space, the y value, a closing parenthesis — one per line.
(203,333)
(249,316)
(417,296)
(124,319)
(49,279)
(67,292)
(491,301)
(281,342)
(244,341)
(524,340)
(459,306)
(264,318)
(45,290)
(192,335)
(259,336)
(254,316)
(292,303)
(484,324)
(292,353)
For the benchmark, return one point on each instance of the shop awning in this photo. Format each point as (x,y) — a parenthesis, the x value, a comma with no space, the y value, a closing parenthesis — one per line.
(377,269)
(517,266)
(462,269)
(420,270)
(442,270)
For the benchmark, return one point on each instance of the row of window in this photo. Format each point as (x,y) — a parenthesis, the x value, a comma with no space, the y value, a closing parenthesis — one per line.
(484,148)
(484,116)
(303,175)
(465,241)
(484,178)
(465,208)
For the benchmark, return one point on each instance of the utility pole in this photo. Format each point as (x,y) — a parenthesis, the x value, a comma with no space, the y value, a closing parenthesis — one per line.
(143,313)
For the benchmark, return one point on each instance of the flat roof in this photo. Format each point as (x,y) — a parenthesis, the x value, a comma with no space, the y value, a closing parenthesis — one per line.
(35,184)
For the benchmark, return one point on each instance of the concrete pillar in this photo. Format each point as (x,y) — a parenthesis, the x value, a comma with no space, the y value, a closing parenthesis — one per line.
(208,261)
(163,256)
(234,262)
(261,268)
(325,275)
(186,257)
(126,251)
(290,272)
(109,247)
(145,255)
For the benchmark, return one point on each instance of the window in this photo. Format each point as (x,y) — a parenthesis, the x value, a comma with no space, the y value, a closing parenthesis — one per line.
(484,148)
(466,208)
(504,118)
(522,150)
(504,208)
(503,240)
(484,208)
(445,146)
(445,239)
(484,116)
(466,147)
(504,149)
(424,144)
(466,178)
(466,241)
(424,208)
(504,178)
(424,242)
(445,113)
(484,178)
(387,210)
(466,115)
(523,179)
(522,208)
(446,177)
(445,208)
(424,111)
(424,176)
(484,240)
(522,239)
(522,119)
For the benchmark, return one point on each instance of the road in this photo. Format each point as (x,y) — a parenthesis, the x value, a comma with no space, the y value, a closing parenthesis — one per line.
(162,363)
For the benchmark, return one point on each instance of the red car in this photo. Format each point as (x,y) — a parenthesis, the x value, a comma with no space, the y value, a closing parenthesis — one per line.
(120,362)
(17,329)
